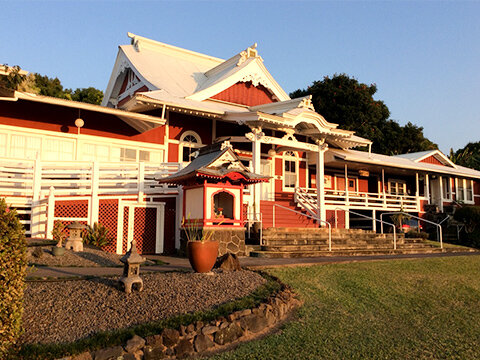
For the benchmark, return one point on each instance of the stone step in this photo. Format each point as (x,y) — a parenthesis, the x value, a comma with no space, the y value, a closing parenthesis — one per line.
(323,229)
(354,252)
(309,248)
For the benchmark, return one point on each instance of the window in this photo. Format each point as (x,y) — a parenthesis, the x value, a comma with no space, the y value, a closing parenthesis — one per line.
(189,143)
(223,205)
(92,152)
(465,190)
(25,147)
(397,187)
(3,144)
(446,188)
(289,170)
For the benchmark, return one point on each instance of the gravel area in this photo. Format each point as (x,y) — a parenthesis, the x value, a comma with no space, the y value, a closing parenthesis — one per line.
(89,257)
(65,311)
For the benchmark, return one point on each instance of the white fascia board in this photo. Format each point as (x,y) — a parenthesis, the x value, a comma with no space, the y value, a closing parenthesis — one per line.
(438,153)
(255,69)
(121,63)
(378,162)
(89,107)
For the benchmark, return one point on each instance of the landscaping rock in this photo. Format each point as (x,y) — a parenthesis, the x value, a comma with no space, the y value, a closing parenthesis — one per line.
(156,353)
(253,323)
(134,344)
(83,356)
(37,252)
(108,353)
(208,330)
(202,343)
(228,262)
(231,333)
(184,349)
(154,341)
(190,328)
(170,337)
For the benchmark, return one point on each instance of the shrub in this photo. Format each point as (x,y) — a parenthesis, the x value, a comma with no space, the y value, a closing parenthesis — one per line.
(12,274)
(470,216)
(416,234)
(96,235)
(59,233)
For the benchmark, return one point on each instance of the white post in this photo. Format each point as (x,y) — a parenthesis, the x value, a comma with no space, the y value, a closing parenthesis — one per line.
(440,180)
(35,215)
(256,160)
(179,216)
(417,191)
(383,189)
(322,147)
(141,181)
(94,202)
(427,188)
(374,215)
(347,219)
(50,212)
(347,200)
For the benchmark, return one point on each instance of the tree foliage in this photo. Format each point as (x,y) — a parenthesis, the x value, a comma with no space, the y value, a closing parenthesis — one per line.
(44,85)
(12,275)
(468,156)
(345,101)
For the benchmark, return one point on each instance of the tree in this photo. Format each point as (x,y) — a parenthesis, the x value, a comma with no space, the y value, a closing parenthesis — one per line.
(88,95)
(343,100)
(51,87)
(13,77)
(468,156)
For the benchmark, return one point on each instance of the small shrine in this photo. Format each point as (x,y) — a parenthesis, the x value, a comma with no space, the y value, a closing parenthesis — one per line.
(75,240)
(213,185)
(131,269)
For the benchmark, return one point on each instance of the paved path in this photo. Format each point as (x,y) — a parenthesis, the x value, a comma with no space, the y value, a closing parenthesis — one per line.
(181,264)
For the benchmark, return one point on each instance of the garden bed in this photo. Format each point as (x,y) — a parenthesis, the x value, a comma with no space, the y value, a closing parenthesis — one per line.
(65,311)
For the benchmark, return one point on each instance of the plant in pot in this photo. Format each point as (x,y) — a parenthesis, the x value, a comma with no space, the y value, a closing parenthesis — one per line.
(202,250)
(58,234)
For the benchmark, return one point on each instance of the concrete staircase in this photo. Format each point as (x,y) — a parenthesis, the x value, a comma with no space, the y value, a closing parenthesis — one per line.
(297,242)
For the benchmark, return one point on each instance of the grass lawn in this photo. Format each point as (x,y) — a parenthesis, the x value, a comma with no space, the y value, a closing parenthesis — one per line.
(399,309)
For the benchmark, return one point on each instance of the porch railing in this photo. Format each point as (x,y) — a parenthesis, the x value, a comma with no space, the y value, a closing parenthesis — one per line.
(308,199)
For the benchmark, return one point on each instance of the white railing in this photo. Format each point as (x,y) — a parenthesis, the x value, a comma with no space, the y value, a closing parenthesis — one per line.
(308,199)
(439,227)
(310,217)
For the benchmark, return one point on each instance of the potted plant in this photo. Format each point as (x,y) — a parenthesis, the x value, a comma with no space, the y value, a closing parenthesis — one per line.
(59,235)
(202,250)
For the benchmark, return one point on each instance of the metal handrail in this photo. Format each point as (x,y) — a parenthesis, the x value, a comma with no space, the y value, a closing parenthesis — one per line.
(381,221)
(309,216)
(439,230)
(254,221)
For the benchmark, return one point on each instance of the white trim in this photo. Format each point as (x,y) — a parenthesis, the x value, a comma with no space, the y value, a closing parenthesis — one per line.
(436,154)
(295,159)
(183,144)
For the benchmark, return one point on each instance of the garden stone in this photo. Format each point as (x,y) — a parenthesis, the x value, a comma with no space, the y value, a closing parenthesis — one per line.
(154,340)
(83,356)
(170,352)
(156,353)
(207,330)
(199,325)
(190,328)
(202,343)
(170,337)
(183,330)
(224,324)
(270,318)
(134,344)
(253,323)
(37,252)
(229,334)
(228,262)
(109,353)
(184,349)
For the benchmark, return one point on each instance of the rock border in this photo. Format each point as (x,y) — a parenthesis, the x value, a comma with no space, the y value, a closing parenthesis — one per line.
(203,338)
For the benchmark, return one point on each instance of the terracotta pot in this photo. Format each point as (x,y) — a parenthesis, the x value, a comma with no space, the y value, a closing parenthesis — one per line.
(202,256)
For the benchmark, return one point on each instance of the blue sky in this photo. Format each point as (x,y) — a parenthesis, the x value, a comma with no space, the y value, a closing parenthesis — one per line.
(423,56)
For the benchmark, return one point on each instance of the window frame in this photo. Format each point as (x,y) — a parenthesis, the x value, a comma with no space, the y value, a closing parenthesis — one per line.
(290,158)
(186,144)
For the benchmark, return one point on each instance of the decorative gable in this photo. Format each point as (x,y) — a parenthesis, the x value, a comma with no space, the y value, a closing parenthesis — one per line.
(432,160)
(246,93)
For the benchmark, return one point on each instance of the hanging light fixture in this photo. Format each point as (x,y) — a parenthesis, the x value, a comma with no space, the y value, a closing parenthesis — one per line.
(79,122)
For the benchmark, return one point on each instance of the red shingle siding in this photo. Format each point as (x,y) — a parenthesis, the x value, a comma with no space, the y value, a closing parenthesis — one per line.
(431,160)
(245,94)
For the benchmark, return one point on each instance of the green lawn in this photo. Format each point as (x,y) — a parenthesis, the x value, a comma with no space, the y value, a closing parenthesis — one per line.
(399,309)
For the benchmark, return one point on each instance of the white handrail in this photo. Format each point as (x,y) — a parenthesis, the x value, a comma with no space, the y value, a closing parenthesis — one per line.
(381,221)
(439,230)
(309,216)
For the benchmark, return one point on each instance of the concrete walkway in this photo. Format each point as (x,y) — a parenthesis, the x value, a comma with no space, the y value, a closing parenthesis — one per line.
(182,264)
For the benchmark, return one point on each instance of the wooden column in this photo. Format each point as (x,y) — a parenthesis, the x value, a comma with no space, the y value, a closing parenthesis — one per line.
(320,180)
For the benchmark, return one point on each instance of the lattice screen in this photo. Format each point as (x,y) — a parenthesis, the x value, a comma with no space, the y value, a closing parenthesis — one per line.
(144,231)
(66,223)
(71,208)
(108,217)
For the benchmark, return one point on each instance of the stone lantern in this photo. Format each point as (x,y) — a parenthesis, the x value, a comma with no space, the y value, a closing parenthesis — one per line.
(75,240)
(131,269)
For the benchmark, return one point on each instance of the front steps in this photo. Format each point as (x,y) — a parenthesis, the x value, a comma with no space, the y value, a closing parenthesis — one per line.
(296,243)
